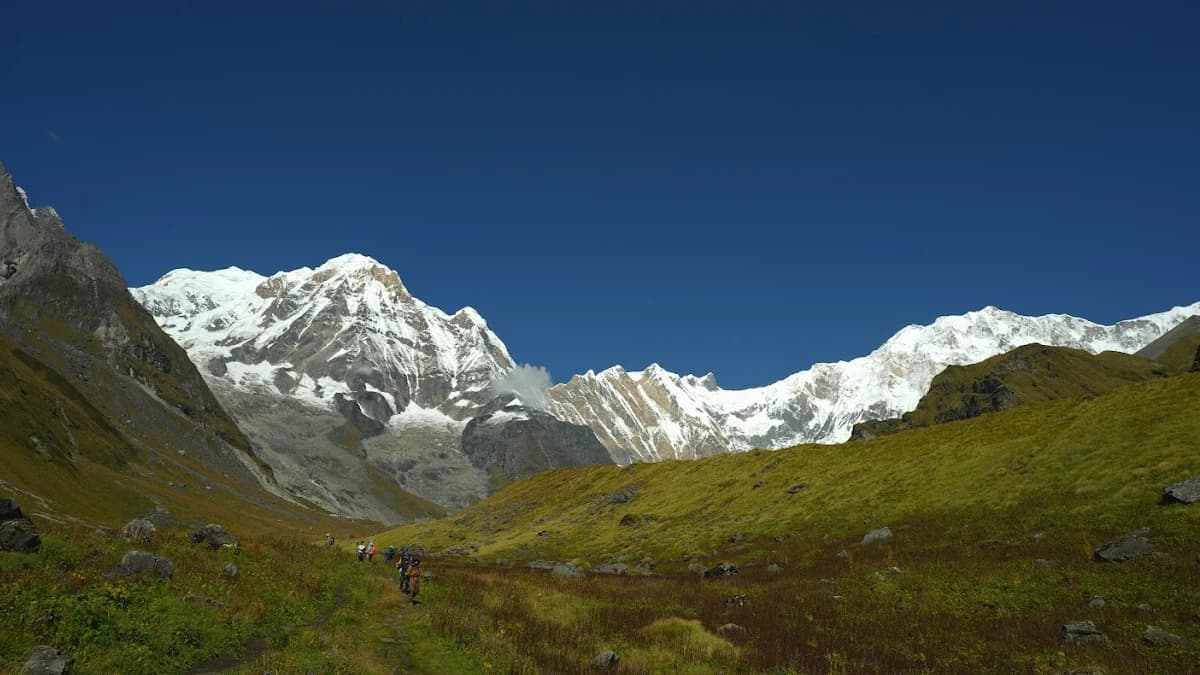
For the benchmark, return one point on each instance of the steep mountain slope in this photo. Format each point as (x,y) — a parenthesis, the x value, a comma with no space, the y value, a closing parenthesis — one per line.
(660,415)
(1177,347)
(102,415)
(1028,374)
(347,382)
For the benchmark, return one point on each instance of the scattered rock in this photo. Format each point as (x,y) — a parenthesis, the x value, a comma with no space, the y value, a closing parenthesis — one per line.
(882,534)
(17,533)
(612,568)
(827,582)
(889,573)
(722,570)
(1037,536)
(46,660)
(629,520)
(780,538)
(843,555)
(213,536)
(192,597)
(544,533)
(231,571)
(736,538)
(1081,631)
(137,562)
(1159,637)
(1184,492)
(1129,547)
(160,516)
(758,485)
(621,496)
(567,571)
(540,565)
(796,489)
(1097,602)
(1145,607)
(606,660)
(735,601)
(138,531)
(731,630)
(774,569)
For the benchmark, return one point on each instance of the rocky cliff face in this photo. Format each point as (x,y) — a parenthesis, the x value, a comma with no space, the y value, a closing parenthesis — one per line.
(67,307)
(659,415)
(515,441)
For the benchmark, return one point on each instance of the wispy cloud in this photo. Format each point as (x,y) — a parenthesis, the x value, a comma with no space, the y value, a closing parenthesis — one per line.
(55,138)
(529,383)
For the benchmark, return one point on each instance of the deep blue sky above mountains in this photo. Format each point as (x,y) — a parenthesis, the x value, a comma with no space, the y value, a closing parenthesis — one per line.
(738,187)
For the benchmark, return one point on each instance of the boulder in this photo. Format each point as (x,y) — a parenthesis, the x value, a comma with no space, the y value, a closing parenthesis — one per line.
(606,660)
(843,555)
(882,534)
(567,571)
(796,489)
(47,660)
(731,630)
(1159,637)
(1097,602)
(1081,631)
(540,565)
(611,568)
(138,562)
(1129,547)
(628,520)
(774,569)
(1183,492)
(735,601)
(17,533)
(722,570)
(138,531)
(736,538)
(231,571)
(213,536)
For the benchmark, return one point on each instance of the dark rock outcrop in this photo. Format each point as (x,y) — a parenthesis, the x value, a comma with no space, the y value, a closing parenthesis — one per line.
(516,442)
(1081,631)
(1196,362)
(1183,492)
(1158,637)
(46,660)
(1129,547)
(213,536)
(17,533)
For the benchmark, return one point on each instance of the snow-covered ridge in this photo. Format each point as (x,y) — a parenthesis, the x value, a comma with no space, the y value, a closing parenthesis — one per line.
(658,414)
(349,325)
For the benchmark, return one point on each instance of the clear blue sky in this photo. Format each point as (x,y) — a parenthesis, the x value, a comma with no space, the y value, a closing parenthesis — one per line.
(738,187)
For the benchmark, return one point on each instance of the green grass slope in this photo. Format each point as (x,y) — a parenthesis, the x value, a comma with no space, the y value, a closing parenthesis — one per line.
(1028,374)
(1100,461)
(995,521)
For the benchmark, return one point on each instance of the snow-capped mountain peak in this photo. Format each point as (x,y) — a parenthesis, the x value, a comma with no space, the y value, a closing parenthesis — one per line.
(349,325)
(660,415)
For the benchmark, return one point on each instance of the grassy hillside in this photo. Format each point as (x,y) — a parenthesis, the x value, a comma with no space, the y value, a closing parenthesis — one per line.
(995,520)
(1028,374)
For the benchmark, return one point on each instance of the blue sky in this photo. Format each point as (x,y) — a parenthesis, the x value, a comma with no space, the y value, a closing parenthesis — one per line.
(745,188)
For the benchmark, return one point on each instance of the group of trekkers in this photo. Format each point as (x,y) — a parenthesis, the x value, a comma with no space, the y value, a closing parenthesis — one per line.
(407,564)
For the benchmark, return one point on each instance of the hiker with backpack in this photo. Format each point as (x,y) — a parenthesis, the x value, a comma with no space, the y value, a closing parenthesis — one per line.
(405,560)
(389,554)
(362,551)
(371,553)
(414,579)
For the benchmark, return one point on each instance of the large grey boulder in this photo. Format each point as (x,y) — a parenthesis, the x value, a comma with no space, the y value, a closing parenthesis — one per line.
(606,660)
(1081,631)
(882,534)
(139,562)
(1129,547)
(1159,637)
(138,531)
(1183,492)
(17,533)
(46,660)
(213,536)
